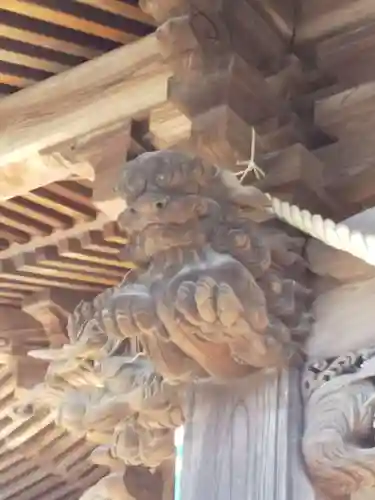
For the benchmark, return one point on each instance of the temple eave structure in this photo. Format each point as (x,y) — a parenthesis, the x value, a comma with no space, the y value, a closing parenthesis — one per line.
(187,241)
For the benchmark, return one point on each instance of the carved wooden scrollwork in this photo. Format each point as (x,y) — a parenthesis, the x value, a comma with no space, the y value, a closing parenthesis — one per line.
(338,441)
(215,296)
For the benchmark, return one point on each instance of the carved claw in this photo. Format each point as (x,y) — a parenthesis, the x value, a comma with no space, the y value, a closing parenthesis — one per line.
(229,307)
(205,298)
(185,302)
(224,305)
(206,303)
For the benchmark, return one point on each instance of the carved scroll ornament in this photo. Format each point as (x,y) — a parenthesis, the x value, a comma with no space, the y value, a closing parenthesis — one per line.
(338,441)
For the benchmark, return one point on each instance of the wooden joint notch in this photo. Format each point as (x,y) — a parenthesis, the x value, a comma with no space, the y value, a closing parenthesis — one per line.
(104,152)
(162,10)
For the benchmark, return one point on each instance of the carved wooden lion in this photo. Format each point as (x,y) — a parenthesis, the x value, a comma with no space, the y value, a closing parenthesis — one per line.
(215,295)
(214,299)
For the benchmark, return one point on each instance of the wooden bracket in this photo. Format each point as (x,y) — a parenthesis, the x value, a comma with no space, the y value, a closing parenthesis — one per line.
(52,308)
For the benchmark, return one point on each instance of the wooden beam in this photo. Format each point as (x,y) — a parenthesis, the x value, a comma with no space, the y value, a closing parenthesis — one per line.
(121,9)
(347,113)
(348,159)
(346,55)
(322,18)
(297,175)
(215,79)
(282,14)
(18,178)
(126,82)
(168,126)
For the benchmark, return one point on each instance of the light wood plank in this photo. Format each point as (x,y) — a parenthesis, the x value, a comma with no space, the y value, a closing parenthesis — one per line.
(52,282)
(321,18)
(47,42)
(21,177)
(50,272)
(52,239)
(168,126)
(15,81)
(64,209)
(31,62)
(66,20)
(19,207)
(121,9)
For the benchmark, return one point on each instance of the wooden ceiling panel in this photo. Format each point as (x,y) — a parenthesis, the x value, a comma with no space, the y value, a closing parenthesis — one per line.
(37,459)
(126,10)
(33,40)
(27,61)
(13,82)
(39,38)
(54,237)
(66,14)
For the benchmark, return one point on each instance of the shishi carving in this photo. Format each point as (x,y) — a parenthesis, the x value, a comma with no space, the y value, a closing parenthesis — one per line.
(128,409)
(215,295)
(214,299)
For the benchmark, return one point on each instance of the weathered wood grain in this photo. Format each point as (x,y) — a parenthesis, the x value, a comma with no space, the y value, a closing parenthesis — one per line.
(347,55)
(322,18)
(243,442)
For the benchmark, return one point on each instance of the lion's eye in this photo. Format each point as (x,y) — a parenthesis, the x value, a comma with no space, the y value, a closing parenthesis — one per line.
(160,204)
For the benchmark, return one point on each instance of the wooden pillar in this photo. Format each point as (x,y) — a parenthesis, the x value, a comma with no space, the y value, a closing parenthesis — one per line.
(243,441)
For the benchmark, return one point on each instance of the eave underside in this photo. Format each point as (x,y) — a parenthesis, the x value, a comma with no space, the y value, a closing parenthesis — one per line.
(61,235)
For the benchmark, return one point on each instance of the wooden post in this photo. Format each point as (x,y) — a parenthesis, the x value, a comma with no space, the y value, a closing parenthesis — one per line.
(242,442)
